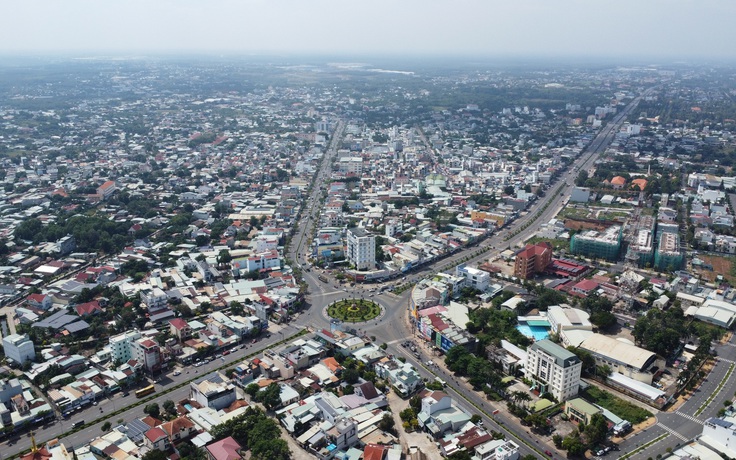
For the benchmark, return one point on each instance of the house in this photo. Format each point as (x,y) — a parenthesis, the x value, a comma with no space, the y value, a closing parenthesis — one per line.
(41,301)
(224,449)
(212,391)
(180,329)
(156,438)
(88,308)
(439,415)
(580,411)
(584,288)
(178,429)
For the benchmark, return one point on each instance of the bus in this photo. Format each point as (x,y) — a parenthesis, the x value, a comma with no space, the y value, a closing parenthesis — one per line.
(145,391)
(322,278)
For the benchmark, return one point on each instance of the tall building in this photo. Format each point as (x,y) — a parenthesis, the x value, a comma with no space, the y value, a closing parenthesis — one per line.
(120,346)
(19,348)
(533,259)
(147,353)
(602,245)
(553,369)
(668,255)
(361,249)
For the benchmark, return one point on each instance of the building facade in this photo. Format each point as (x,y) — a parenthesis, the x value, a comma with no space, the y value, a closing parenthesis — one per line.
(554,369)
(361,249)
(19,348)
(533,259)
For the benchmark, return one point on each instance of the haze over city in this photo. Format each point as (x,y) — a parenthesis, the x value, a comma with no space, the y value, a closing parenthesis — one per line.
(681,29)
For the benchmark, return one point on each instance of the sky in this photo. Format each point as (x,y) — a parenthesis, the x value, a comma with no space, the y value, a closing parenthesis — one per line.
(679,29)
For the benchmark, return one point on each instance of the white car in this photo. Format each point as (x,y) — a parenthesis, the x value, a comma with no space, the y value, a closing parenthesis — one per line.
(177,373)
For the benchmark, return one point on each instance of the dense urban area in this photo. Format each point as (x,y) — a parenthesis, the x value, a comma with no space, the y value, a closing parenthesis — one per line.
(223,259)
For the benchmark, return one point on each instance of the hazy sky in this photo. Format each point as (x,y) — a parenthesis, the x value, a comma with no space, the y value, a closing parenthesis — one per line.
(651,28)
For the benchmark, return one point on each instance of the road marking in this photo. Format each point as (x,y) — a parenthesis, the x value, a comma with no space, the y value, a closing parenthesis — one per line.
(689,417)
(672,432)
(730,361)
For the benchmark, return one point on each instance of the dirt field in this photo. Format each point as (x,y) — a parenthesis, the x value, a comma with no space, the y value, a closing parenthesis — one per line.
(721,266)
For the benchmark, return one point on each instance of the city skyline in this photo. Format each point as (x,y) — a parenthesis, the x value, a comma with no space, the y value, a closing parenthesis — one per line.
(679,30)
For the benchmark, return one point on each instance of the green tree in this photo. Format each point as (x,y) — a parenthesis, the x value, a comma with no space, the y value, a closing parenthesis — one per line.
(153,410)
(573,445)
(596,430)
(252,390)
(350,376)
(271,396)
(386,423)
(106,426)
(169,407)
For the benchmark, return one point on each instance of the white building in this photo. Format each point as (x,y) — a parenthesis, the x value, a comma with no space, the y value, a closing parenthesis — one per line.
(19,348)
(213,391)
(120,346)
(477,279)
(554,369)
(720,435)
(563,317)
(361,249)
(147,352)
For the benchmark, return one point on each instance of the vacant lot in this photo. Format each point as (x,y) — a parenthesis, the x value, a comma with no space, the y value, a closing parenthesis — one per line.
(721,266)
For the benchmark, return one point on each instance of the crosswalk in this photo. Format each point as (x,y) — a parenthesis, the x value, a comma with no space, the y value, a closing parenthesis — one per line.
(726,360)
(689,417)
(672,432)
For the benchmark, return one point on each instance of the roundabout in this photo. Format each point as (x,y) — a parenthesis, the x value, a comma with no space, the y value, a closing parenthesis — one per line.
(354,310)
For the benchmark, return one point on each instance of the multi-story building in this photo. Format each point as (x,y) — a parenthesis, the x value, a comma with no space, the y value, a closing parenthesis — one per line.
(477,279)
(533,259)
(212,391)
(602,245)
(120,346)
(148,353)
(668,255)
(19,348)
(361,249)
(553,369)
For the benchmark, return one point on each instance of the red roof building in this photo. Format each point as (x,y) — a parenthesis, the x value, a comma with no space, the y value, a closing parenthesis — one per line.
(224,449)
(533,259)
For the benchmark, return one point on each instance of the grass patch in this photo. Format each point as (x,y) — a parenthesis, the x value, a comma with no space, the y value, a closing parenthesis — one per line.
(557,245)
(715,393)
(618,406)
(354,310)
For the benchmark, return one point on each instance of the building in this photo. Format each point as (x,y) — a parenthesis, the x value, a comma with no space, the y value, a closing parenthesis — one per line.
(580,410)
(361,249)
(156,438)
(561,317)
(622,357)
(180,329)
(668,255)
(596,244)
(532,259)
(106,190)
(553,369)
(475,278)
(580,195)
(224,449)
(147,352)
(720,435)
(439,415)
(120,346)
(212,391)
(19,348)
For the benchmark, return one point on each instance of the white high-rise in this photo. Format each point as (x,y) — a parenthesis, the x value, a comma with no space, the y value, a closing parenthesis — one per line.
(554,369)
(361,249)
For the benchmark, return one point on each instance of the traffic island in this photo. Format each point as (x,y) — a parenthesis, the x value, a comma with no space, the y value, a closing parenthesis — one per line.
(354,310)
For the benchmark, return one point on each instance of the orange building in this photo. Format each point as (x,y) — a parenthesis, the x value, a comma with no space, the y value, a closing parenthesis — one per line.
(532,259)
